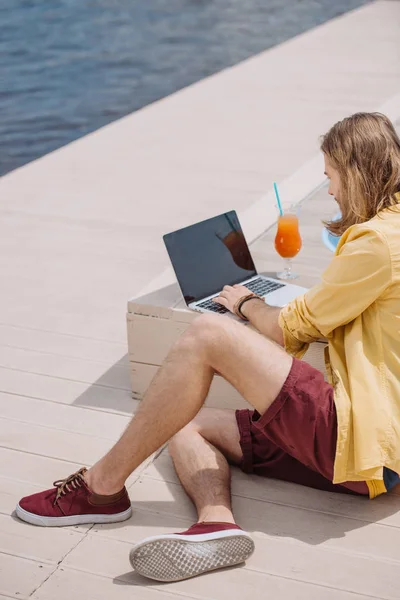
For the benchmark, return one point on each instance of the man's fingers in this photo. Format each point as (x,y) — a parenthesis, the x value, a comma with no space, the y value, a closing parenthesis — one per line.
(220,300)
(243,287)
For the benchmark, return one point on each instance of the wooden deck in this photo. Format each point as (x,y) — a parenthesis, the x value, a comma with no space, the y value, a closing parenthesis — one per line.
(60,409)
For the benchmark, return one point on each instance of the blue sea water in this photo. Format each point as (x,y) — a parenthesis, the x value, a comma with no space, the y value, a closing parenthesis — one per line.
(68,67)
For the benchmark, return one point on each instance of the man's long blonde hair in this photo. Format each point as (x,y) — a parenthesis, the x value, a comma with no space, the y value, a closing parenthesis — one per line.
(365,150)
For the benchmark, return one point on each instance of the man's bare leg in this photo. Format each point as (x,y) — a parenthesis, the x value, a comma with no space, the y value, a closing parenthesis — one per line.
(255,366)
(200,452)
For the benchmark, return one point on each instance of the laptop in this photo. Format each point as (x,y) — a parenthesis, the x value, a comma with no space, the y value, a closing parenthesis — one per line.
(213,253)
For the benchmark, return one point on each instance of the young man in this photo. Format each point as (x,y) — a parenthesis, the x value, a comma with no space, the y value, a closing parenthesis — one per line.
(340,436)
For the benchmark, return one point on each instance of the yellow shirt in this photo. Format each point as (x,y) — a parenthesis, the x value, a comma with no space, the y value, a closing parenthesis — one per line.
(356,307)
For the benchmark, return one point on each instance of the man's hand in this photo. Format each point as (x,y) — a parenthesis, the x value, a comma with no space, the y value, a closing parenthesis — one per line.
(261,316)
(230,295)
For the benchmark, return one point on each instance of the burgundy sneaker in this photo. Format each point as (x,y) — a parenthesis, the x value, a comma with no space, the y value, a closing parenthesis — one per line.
(71,502)
(204,547)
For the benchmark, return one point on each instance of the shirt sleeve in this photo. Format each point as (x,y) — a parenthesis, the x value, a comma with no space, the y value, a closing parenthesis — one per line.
(357,275)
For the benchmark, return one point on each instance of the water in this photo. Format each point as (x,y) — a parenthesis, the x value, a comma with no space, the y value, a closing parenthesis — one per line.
(69,67)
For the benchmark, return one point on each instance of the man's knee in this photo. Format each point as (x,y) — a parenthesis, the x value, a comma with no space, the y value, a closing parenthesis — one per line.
(206,419)
(178,442)
(205,331)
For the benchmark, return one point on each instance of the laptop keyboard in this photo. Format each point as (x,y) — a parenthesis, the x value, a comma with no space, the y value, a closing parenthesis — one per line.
(258,286)
(262,286)
(210,305)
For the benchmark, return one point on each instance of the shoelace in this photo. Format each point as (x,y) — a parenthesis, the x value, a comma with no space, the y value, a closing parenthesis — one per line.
(69,484)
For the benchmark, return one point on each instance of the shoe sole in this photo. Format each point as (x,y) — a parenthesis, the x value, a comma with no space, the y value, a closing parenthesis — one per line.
(177,557)
(33,519)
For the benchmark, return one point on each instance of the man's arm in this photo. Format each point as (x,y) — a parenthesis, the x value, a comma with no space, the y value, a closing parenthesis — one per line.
(264,318)
(353,280)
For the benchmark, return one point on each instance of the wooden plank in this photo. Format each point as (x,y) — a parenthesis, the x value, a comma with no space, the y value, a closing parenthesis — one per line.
(237,583)
(21,577)
(67,583)
(289,559)
(47,545)
(33,470)
(67,392)
(73,369)
(63,417)
(64,445)
(62,344)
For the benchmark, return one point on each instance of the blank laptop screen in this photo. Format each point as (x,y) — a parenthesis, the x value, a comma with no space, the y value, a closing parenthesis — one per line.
(208,255)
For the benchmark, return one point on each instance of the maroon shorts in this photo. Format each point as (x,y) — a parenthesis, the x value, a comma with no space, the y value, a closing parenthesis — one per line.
(295,440)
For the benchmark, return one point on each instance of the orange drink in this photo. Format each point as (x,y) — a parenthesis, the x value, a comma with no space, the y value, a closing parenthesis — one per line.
(288,240)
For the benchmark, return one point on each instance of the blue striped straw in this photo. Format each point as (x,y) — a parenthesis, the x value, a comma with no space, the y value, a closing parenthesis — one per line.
(278,199)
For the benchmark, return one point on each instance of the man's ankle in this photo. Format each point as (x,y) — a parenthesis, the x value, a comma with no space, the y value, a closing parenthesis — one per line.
(216,515)
(101,485)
